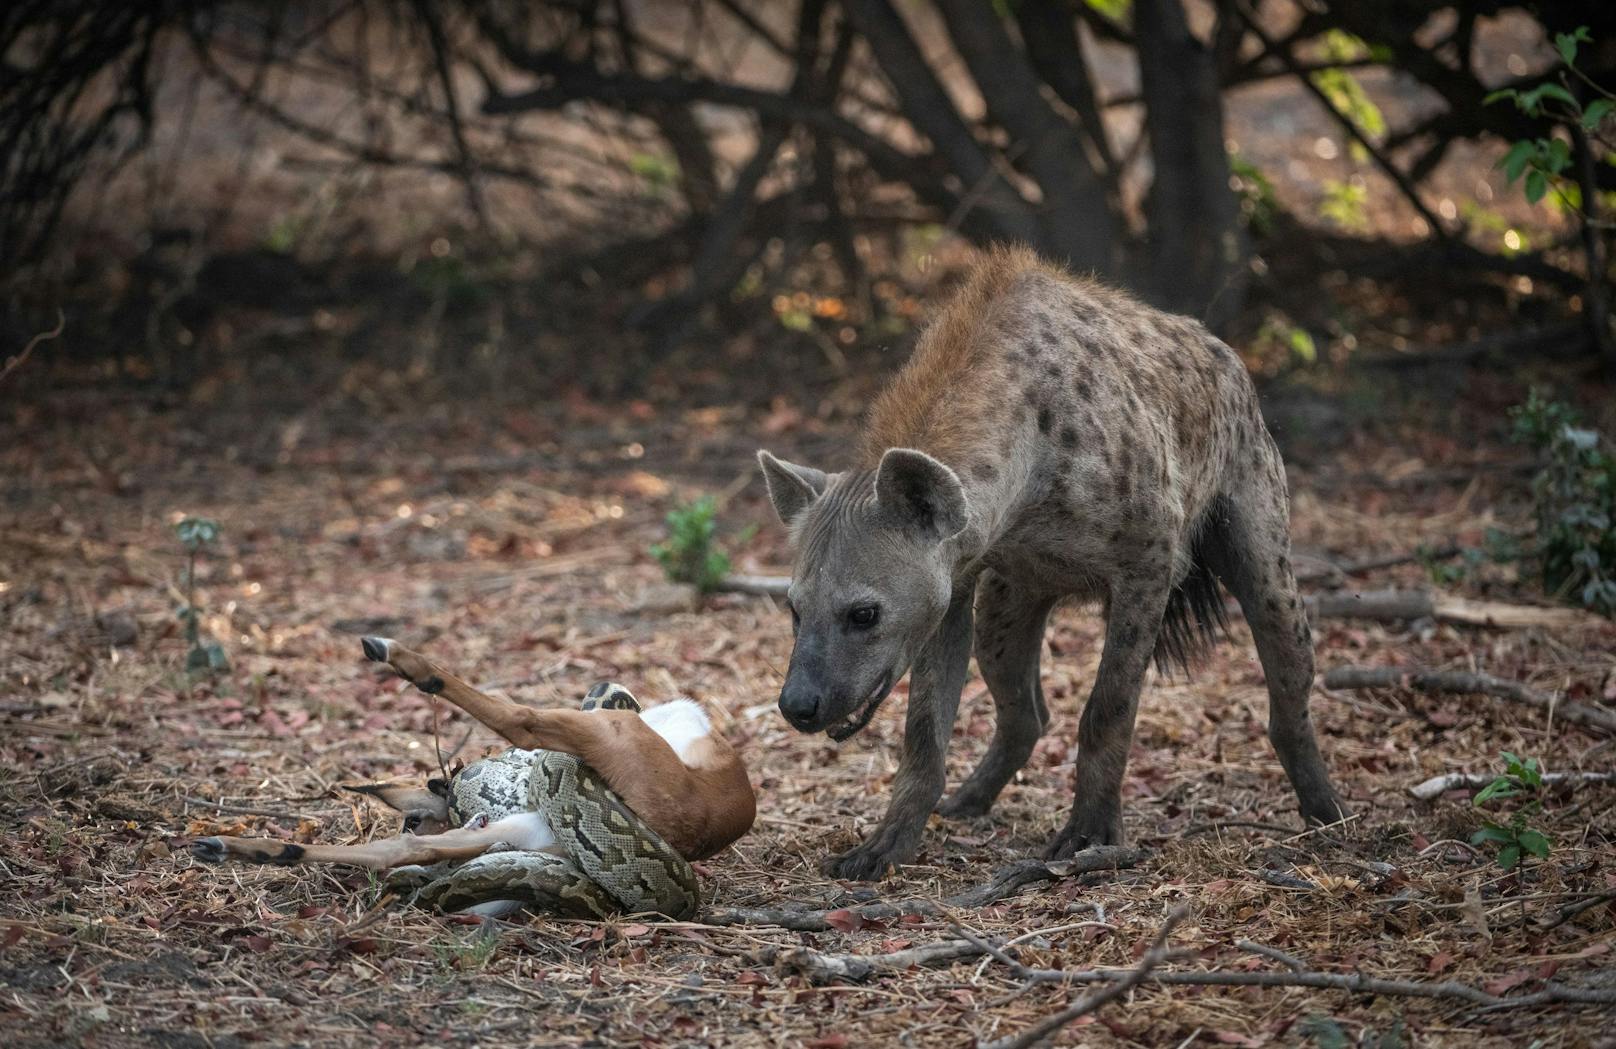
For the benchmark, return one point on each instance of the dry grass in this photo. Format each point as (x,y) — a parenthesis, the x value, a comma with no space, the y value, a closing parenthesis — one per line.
(531,574)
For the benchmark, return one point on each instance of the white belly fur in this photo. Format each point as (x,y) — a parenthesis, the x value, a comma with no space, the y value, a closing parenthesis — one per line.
(681,722)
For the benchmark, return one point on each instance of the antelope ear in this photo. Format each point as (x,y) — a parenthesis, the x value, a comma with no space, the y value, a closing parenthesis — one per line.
(792,488)
(404,798)
(920,494)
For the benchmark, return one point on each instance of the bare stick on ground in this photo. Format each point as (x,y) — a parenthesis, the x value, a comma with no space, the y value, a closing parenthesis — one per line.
(1446,608)
(1458,681)
(835,967)
(1436,786)
(21,359)
(1090,1002)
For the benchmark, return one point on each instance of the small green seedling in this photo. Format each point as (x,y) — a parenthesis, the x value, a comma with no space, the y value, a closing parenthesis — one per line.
(1515,840)
(692,553)
(194,534)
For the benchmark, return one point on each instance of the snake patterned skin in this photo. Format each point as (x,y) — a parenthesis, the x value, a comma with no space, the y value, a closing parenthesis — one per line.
(614,862)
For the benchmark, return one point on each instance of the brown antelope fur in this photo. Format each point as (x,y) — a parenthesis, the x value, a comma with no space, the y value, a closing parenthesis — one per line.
(1050,439)
(699,805)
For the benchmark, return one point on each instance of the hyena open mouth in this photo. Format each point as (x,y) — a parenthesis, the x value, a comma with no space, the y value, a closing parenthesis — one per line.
(850,725)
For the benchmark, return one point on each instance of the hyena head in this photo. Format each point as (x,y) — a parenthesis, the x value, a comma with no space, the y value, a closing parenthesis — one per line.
(871,580)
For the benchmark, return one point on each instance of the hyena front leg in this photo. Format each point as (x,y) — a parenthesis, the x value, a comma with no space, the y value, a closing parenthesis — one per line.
(934,694)
(1105,733)
(1009,638)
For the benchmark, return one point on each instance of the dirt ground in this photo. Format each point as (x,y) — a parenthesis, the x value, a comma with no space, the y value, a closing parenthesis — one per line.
(510,542)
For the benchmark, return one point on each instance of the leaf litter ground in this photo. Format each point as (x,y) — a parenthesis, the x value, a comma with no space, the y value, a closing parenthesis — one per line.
(512,545)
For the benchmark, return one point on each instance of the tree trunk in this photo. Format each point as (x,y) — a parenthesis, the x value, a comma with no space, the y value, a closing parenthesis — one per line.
(1197,252)
(982,190)
(1076,226)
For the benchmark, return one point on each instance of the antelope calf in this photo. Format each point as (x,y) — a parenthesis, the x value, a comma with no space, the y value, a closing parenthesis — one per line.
(1050,438)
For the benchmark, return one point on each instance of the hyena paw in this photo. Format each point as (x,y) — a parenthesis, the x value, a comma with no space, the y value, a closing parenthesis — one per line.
(1321,812)
(965,804)
(1087,827)
(869,861)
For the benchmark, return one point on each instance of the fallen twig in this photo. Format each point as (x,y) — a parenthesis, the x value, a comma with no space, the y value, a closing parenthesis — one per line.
(1004,882)
(1090,1002)
(1572,910)
(237,810)
(1447,608)
(833,967)
(1464,681)
(1274,954)
(20,359)
(1320,569)
(820,969)
(1437,786)
(766,585)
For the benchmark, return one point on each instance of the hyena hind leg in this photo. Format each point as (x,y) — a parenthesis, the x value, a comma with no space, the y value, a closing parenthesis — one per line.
(1250,553)
(1009,639)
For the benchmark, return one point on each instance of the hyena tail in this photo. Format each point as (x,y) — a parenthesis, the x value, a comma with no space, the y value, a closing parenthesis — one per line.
(1195,616)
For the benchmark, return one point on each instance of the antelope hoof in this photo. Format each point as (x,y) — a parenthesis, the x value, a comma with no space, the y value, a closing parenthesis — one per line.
(376,648)
(210,850)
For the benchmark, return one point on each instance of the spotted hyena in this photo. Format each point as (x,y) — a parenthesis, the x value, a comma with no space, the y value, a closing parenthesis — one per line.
(1051,438)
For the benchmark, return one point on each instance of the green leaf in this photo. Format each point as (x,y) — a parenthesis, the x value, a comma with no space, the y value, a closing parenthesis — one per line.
(1509,856)
(1534,842)
(1558,156)
(1302,345)
(196,532)
(1597,111)
(1515,160)
(1116,10)
(1566,43)
(1537,184)
(1498,788)
(1493,833)
(1558,93)
(1500,95)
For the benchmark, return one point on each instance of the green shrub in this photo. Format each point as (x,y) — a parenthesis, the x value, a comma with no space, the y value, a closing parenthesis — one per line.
(1522,778)
(194,534)
(691,553)
(1575,500)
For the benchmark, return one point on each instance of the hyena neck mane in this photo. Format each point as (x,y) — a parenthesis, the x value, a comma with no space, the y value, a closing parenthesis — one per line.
(951,400)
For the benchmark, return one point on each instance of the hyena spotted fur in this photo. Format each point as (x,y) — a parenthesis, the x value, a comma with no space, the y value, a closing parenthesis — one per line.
(1050,438)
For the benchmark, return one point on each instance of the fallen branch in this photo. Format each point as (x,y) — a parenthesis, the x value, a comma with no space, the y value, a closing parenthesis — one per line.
(766,585)
(820,969)
(12,364)
(1447,608)
(1456,681)
(1090,1002)
(1005,882)
(817,966)
(1437,786)
(1315,569)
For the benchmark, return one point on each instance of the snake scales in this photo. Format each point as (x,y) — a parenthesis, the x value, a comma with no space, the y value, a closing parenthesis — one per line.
(613,862)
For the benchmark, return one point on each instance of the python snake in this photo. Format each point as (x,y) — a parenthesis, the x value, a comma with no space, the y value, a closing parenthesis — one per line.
(613,863)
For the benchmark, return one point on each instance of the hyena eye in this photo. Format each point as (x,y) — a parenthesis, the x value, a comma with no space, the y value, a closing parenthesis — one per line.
(864,616)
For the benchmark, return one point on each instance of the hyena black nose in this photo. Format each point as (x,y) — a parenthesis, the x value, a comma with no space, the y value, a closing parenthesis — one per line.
(800,704)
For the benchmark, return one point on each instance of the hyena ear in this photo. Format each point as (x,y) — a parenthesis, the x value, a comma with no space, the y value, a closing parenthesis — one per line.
(791,487)
(922,494)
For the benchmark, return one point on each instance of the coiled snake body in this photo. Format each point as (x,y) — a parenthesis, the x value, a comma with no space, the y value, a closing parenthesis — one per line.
(612,862)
